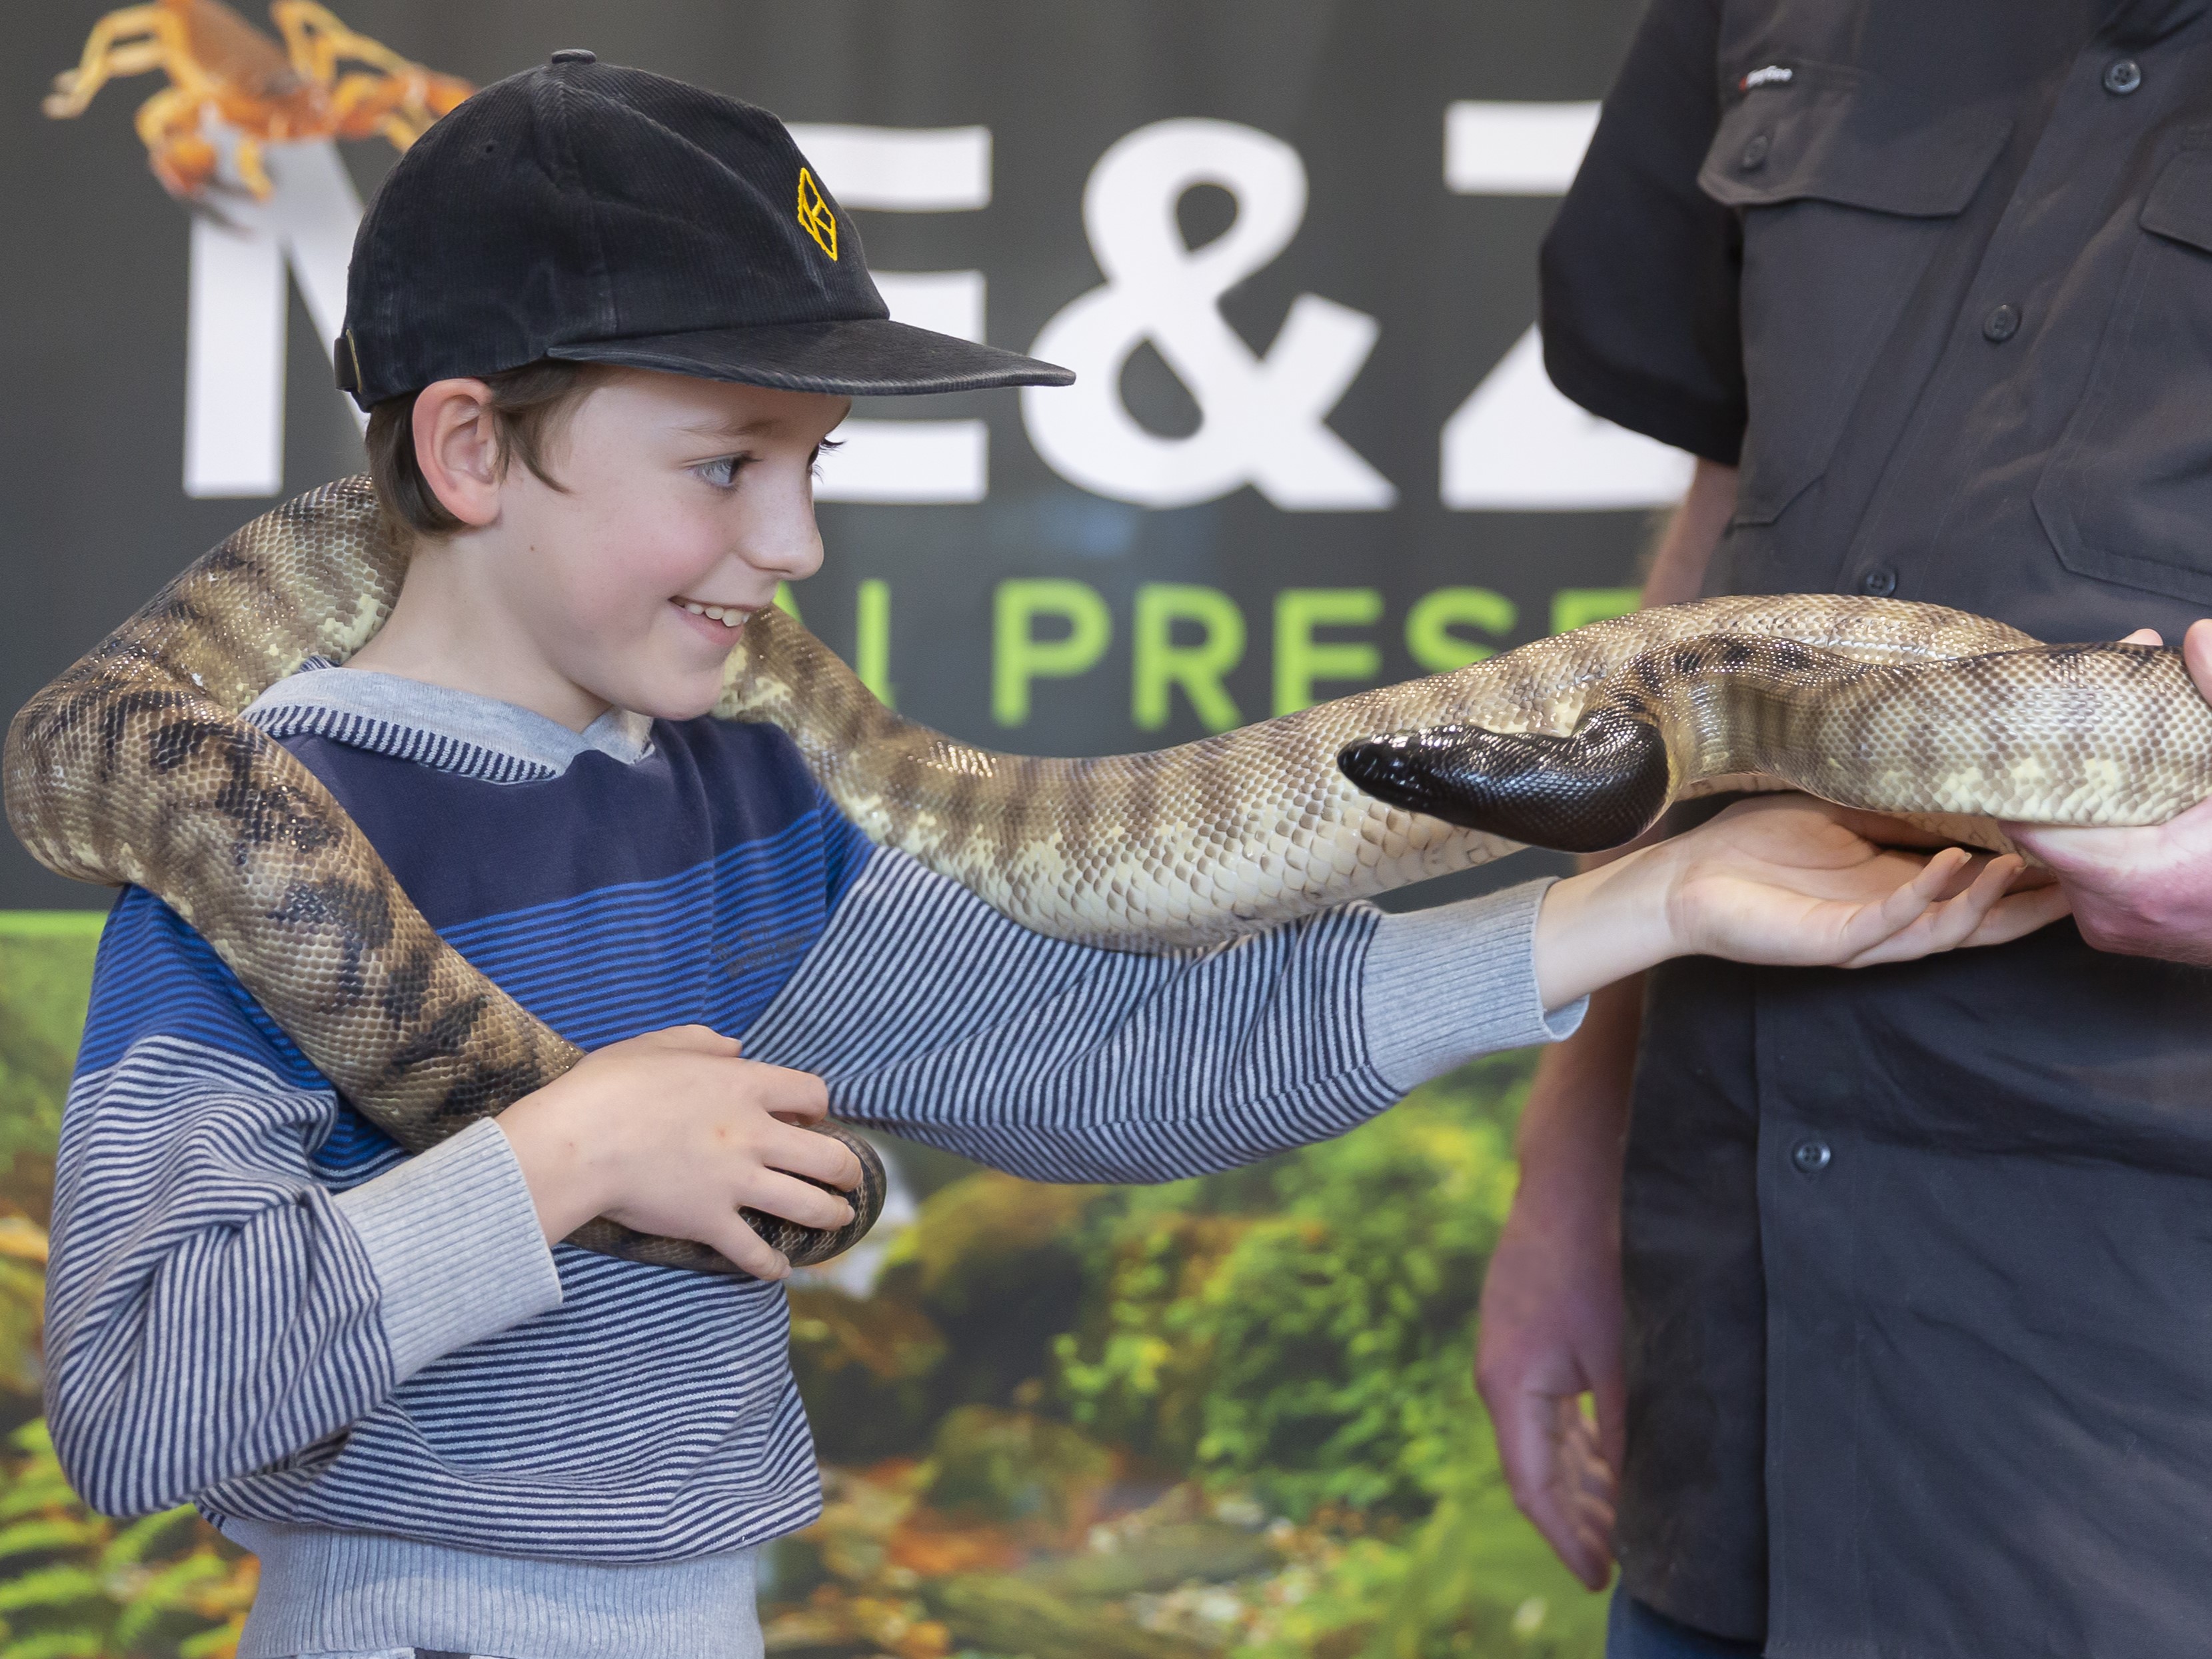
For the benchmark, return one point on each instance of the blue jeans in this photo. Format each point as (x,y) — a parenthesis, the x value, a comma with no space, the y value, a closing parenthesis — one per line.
(1633,1631)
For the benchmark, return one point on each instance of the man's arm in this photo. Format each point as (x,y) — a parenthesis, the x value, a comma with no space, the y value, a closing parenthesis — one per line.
(1678,567)
(1551,1302)
(2143,892)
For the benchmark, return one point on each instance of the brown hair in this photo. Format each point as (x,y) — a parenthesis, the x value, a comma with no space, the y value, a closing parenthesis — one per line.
(529,407)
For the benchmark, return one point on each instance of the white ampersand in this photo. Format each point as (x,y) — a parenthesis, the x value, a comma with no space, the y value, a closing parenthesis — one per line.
(1261,416)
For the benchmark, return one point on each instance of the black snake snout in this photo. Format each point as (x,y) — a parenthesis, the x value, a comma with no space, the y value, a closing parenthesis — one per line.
(1603,785)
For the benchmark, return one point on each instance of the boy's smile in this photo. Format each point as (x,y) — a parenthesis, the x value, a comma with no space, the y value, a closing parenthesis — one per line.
(722,616)
(677,505)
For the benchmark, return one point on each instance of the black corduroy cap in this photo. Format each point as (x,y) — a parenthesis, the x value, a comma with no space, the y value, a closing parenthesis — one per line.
(603,214)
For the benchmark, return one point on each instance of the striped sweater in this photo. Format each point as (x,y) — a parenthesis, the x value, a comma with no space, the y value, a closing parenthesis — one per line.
(371,1369)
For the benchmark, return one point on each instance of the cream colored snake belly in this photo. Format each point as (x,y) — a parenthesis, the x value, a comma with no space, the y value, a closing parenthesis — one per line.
(133,767)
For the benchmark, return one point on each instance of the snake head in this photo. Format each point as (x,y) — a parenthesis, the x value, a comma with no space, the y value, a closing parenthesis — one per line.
(1604,784)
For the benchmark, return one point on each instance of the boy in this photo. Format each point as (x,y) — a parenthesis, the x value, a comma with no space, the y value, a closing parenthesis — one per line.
(601,347)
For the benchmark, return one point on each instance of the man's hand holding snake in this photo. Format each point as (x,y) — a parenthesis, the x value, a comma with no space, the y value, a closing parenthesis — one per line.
(2147,891)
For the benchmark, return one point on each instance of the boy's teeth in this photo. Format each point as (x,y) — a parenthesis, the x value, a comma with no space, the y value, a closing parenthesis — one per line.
(694,608)
(729,616)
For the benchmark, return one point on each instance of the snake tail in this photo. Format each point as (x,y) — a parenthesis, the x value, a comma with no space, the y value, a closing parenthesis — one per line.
(802,1247)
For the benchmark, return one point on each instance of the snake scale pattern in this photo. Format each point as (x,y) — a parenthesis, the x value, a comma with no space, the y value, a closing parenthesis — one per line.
(133,767)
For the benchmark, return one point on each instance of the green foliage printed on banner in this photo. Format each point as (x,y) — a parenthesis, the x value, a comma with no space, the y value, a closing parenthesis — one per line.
(1228,1417)
(75,1585)
(46,974)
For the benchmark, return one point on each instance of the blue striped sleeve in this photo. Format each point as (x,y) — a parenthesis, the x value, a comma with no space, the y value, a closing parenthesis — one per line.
(212,1309)
(930,1014)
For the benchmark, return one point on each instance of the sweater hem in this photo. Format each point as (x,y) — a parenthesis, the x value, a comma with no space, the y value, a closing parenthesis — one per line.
(327,1592)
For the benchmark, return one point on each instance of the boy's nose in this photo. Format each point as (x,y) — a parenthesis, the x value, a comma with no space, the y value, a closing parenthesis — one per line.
(782,535)
(794,554)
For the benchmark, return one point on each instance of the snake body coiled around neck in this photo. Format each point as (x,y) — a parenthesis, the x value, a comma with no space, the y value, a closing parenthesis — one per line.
(133,767)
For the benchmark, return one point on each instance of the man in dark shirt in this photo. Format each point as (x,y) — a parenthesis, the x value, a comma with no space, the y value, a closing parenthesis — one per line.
(1916,1263)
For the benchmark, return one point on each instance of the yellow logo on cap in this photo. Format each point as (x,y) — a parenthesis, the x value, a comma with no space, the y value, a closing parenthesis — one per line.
(814,213)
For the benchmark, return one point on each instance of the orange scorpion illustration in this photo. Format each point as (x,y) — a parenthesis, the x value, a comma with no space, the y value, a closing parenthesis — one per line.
(222,69)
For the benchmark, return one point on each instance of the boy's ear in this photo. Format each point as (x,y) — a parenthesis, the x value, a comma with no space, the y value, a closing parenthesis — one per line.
(457,447)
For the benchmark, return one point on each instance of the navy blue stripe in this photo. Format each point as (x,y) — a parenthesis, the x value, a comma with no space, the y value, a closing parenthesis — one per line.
(707,785)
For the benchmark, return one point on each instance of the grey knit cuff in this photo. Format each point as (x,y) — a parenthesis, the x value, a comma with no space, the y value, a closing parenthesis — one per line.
(455,1239)
(1445,985)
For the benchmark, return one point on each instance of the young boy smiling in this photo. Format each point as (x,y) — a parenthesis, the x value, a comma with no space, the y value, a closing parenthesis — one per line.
(604,323)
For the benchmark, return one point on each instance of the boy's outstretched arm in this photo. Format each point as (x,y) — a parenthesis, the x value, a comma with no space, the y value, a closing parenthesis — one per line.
(928,1014)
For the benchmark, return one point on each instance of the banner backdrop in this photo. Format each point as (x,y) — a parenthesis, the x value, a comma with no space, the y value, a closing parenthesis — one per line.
(1288,246)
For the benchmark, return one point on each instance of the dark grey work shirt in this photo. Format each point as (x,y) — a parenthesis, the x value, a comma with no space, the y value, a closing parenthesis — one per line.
(1919,1259)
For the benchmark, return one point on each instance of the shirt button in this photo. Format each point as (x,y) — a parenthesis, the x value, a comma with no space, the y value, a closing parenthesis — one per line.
(2001,325)
(2123,77)
(1754,153)
(1811,1157)
(1881,582)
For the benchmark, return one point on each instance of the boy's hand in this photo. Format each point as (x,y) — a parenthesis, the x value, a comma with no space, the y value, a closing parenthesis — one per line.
(1780,881)
(671,1132)
(1551,1329)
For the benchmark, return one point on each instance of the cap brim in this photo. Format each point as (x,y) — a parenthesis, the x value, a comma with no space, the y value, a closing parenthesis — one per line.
(861,358)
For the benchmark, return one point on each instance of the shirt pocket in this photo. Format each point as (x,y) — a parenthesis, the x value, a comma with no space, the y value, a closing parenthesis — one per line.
(2127,495)
(1844,189)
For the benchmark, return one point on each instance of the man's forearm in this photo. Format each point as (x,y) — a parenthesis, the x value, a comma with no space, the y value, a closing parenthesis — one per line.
(1578,1111)
(1550,1326)
(1680,562)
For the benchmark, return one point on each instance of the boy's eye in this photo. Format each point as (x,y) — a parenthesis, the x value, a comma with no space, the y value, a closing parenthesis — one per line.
(826,446)
(722,471)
